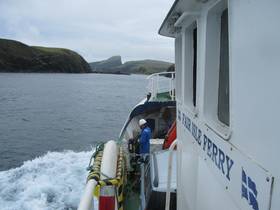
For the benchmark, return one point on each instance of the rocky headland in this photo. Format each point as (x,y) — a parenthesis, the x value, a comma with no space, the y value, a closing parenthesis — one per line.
(18,57)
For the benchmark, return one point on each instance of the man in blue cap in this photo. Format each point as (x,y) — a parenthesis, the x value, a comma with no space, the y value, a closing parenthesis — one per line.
(145,137)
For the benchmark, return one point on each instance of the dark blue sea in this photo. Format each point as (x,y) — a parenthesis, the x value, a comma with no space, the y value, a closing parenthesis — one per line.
(48,126)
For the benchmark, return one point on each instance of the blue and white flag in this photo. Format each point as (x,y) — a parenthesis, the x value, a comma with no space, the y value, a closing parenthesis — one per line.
(249,190)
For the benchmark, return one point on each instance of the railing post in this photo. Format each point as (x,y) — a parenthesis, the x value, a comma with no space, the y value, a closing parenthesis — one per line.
(172,88)
(142,187)
(154,87)
(157,83)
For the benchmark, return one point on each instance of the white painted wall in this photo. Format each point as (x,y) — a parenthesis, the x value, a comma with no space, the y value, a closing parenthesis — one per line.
(252,138)
(255,53)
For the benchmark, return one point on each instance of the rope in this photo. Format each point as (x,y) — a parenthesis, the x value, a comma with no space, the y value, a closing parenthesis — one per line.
(117,181)
(95,169)
(98,149)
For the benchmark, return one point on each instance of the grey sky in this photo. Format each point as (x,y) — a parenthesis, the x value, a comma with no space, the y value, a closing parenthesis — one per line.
(97,29)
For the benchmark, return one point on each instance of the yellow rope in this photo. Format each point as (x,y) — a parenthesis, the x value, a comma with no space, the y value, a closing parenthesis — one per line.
(117,182)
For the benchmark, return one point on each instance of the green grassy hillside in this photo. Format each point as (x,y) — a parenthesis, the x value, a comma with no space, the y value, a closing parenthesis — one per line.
(18,57)
(131,67)
(106,64)
(144,67)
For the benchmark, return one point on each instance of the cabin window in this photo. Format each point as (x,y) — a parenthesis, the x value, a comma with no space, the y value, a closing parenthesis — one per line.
(223,95)
(190,65)
(178,67)
(194,64)
(216,88)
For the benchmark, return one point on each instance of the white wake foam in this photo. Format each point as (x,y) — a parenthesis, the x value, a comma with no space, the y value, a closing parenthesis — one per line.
(53,181)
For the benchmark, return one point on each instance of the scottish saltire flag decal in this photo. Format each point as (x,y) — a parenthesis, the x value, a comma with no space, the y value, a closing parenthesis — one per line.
(249,190)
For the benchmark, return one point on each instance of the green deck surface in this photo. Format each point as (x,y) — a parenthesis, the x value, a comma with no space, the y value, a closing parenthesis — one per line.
(132,201)
(165,96)
(132,192)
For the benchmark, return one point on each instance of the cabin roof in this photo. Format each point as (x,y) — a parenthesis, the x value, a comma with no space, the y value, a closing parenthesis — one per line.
(167,28)
(163,28)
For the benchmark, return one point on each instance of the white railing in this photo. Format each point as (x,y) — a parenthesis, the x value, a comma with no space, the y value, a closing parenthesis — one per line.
(162,82)
(169,174)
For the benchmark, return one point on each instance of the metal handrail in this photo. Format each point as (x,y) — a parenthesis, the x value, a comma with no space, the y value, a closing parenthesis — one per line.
(169,174)
(154,84)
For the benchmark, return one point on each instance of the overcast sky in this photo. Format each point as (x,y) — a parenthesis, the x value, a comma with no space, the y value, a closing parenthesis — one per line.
(97,29)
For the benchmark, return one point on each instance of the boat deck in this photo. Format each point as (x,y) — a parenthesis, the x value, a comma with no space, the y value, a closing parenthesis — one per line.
(164,96)
(132,201)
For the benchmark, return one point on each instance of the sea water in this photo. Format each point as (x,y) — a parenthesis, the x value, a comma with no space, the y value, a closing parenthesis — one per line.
(48,125)
(52,181)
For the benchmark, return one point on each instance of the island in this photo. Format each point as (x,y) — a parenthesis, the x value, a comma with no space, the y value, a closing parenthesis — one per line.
(114,65)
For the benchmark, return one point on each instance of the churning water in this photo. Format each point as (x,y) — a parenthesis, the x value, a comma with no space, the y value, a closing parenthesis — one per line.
(53,181)
(48,123)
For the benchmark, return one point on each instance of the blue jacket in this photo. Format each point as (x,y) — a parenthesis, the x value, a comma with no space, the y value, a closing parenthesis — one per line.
(145,140)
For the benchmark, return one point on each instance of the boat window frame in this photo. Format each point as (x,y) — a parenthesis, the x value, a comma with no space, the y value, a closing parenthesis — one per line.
(190,66)
(212,70)
(179,68)
(223,89)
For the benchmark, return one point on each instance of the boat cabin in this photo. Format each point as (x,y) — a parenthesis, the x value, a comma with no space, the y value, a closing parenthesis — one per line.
(227,53)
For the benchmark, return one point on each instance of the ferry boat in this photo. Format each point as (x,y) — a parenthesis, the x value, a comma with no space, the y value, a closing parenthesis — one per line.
(119,176)
(227,114)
